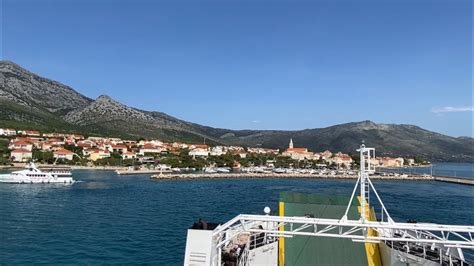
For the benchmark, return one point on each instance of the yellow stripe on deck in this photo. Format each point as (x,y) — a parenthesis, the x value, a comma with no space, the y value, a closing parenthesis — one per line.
(371,249)
(281,241)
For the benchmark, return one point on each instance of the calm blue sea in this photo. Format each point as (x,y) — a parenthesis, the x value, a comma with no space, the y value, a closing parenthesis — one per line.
(465,170)
(131,219)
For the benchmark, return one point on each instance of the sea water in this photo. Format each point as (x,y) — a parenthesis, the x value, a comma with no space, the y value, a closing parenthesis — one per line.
(113,219)
(464,170)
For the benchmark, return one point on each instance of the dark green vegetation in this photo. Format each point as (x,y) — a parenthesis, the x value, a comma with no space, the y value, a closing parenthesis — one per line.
(115,159)
(33,102)
(43,156)
(4,152)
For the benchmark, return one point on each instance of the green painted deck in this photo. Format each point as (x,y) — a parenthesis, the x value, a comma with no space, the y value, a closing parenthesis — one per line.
(302,250)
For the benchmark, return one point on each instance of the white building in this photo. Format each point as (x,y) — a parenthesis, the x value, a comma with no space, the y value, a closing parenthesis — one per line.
(63,154)
(149,148)
(99,154)
(20,144)
(21,155)
(341,159)
(33,133)
(120,148)
(263,151)
(7,132)
(298,153)
(199,152)
(180,145)
(129,155)
(218,151)
(150,142)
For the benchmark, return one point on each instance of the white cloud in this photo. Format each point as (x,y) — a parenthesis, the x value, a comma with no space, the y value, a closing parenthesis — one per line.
(256,121)
(451,109)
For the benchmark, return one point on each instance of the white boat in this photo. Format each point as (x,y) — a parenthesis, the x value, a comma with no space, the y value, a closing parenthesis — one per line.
(223,170)
(209,170)
(279,170)
(34,175)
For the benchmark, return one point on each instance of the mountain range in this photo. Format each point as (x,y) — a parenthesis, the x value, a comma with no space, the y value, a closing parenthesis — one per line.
(30,101)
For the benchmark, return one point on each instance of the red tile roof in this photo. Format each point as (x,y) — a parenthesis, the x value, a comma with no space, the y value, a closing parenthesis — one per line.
(63,151)
(149,146)
(200,146)
(297,150)
(119,146)
(84,145)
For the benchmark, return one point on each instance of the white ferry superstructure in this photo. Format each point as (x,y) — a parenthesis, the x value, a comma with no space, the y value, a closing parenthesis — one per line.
(361,236)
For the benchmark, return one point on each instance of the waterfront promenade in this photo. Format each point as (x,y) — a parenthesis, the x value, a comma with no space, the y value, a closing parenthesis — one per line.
(19,166)
(275,175)
(461,181)
(456,180)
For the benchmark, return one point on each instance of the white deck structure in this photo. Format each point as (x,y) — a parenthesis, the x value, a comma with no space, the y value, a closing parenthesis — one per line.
(413,243)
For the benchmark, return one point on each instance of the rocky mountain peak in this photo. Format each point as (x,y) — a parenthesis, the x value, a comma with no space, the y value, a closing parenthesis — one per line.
(41,102)
(104,97)
(367,125)
(25,88)
(9,64)
(107,100)
(104,108)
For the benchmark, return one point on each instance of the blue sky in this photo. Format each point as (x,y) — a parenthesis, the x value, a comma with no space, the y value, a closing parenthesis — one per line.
(258,64)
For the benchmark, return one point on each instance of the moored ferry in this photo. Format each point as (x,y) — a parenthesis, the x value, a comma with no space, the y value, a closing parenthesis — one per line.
(33,175)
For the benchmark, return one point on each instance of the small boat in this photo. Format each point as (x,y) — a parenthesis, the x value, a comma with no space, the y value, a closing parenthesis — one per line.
(34,175)
(279,170)
(223,170)
(209,170)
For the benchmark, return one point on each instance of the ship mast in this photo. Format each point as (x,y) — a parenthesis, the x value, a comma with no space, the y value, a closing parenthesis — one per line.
(365,169)
(365,185)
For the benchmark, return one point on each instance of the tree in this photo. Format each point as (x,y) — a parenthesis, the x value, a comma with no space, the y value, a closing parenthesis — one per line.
(4,160)
(419,160)
(111,161)
(130,162)
(4,152)
(355,160)
(285,162)
(199,163)
(43,156)
(73,148)
(172,161)
(115,155)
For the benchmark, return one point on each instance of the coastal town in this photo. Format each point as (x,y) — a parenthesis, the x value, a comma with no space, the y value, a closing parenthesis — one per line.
(22,146)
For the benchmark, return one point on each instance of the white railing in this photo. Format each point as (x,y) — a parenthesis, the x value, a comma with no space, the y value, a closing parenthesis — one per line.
(417,236)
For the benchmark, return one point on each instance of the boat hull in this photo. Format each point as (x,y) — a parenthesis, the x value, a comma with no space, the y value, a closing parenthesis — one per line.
(12,179)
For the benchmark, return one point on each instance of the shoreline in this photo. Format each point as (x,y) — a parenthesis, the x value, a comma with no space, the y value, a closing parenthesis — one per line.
(273,175)
(203,176)
(156,175)
(107,168)
(17,166)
